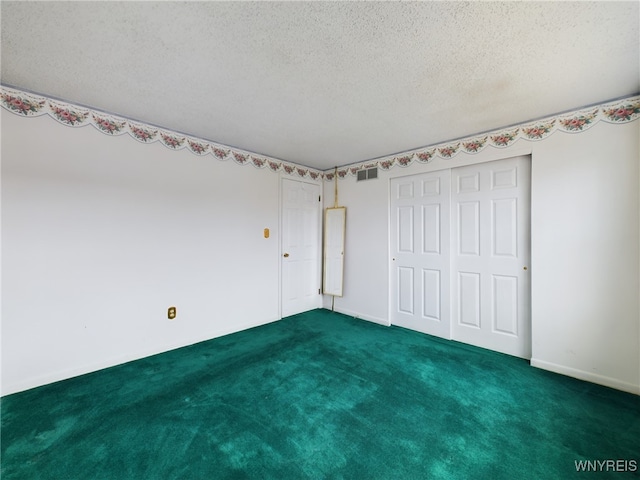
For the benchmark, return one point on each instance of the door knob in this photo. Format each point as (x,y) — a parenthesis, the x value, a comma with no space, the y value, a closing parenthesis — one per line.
(285,255)
(525,268)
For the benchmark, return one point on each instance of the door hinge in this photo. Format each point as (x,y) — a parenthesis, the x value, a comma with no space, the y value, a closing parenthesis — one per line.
(318,197)
(318,291)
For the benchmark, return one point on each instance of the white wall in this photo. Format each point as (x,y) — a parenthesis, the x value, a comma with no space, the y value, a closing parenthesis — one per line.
(101,235)
(585,249)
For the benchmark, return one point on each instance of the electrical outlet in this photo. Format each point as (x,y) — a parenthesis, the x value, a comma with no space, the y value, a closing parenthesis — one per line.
(171,313)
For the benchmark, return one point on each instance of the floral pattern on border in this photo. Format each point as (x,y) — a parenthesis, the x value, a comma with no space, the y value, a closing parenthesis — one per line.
(219,153)
(258,162)
(199,148)
(538,131)
(274,166)
(387,164)
(301,171)
(108,125)
(22,104)
(504,139)
(26,104)
(172,141)
(623,113)
(142,134)
(474,146)
(404,161)
(449,151)
(577,123)
(68,115)
(240,158)
(426,156)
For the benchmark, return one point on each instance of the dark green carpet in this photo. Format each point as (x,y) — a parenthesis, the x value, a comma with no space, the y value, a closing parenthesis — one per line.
(318,395)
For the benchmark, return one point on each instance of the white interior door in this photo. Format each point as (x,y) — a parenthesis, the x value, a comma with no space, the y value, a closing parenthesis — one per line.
(420,260)
(301,209)
(491,254)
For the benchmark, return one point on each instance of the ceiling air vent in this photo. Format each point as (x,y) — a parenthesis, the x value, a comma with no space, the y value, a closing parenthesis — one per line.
(367,174)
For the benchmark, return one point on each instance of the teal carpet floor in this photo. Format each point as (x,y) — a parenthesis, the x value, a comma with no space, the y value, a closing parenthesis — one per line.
(319,395)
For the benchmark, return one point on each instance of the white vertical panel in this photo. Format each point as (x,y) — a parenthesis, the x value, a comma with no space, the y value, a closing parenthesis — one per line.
(505,224)
(493,294)
(431,228)
(469,183)
(420,253)
(309,283)
(334,234)
(431,294)
(469,299)
(333,276)
(505,304)
(504,178)
(469,228)
(405,229)
(405,290)
(405,190)
(310,226)
(431,187)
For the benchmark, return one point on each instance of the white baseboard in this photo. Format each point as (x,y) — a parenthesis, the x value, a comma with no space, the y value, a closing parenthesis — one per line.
(587,376)
(369,318)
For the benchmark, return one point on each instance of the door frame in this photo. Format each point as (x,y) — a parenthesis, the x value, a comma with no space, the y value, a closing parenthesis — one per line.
(281,179)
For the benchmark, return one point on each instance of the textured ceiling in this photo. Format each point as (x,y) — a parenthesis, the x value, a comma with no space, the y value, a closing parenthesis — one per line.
(324,83)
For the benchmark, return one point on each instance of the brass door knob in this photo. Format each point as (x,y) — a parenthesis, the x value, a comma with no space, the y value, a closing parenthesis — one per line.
(285,255)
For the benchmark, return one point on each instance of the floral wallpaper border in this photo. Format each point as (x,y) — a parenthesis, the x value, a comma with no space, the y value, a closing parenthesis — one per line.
(31,105)
(621,111)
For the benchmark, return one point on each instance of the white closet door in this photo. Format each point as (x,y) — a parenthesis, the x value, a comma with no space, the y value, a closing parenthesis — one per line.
(420,241)
(490,231)
(300,247)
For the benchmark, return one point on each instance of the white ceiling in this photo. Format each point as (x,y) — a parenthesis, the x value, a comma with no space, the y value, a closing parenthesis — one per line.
(324,83)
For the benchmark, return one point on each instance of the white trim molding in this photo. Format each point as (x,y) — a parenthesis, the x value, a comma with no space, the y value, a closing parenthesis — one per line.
(587,376)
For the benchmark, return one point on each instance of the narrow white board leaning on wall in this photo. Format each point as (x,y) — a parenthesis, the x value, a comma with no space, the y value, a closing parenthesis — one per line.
(334,231)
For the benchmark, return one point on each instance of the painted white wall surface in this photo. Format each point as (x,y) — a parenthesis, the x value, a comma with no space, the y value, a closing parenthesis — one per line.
(365,282)
(585,255)
(585,266)
(101,235)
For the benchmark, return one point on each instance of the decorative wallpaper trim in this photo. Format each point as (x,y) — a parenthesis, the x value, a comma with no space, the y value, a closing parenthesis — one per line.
(31,105)
(621,111)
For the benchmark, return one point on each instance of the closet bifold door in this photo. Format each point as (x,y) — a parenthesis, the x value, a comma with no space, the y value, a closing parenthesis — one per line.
(419,263)
(490,206)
